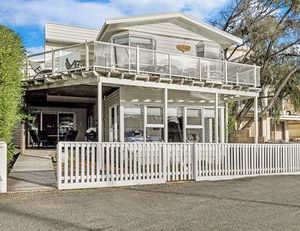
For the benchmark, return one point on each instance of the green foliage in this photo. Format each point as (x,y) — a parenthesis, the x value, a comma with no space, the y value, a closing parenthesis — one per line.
(231,126)
(11,89)
(270,30)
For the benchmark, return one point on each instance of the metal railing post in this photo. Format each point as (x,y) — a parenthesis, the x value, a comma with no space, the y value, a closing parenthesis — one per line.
(200,69)
(255,80)
(137,60)
(52,61)
(170,65)
(87,59)
(225,71)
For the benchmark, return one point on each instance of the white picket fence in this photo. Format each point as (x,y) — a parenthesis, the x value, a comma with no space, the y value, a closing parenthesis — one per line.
(91,164)
(3,167)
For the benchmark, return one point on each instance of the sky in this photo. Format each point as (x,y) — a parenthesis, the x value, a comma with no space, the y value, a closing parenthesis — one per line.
(28,17)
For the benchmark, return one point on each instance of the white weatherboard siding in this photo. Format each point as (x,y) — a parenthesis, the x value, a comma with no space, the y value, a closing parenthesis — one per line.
(166,29)
(58,36)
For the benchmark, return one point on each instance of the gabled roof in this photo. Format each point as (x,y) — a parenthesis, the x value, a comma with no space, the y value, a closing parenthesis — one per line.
(201,26)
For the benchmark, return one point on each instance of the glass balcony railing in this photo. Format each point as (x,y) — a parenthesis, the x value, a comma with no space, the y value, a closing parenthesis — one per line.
(139,61)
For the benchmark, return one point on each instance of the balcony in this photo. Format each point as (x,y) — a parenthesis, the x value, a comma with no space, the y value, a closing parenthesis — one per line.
(138,61)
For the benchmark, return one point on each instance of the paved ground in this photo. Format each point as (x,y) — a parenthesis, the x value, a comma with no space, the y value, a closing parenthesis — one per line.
(263,203)
(32,171)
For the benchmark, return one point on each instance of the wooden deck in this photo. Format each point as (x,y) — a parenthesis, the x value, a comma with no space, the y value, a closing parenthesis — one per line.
(32,171)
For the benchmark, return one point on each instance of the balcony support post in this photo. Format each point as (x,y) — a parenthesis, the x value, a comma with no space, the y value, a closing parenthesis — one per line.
(256,120)
(99,108)
(216,118)
(166,115)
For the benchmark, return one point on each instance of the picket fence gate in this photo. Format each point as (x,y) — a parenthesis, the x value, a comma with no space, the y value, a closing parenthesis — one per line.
(3,167)
(104,164)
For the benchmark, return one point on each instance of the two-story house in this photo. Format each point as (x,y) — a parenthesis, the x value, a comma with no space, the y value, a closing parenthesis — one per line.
(148,78)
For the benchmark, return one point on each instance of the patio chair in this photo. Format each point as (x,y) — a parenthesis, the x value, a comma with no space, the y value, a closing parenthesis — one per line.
(38,70)
(38,139)
(71,135)
(75,64)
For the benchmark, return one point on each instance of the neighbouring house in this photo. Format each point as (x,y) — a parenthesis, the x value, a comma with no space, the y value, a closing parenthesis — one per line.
(147,78)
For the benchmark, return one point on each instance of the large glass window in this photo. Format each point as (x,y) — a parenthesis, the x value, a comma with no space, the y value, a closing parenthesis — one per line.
(154,134)
(133,124)
(155,115)
(194,129)
(65,124)
(154,124)
(175,124)
(142,42)
(194,135)
(194,117)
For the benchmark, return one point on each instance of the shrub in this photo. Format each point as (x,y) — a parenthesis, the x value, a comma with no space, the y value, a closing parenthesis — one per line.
(11,89)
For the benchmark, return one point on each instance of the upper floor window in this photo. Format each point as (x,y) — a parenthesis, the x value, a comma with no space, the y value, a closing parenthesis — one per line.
(209,50)
(134,41)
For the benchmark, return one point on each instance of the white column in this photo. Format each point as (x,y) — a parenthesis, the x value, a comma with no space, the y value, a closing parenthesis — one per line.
(99,86)
(210,130)
(216,118)
(166,115)
(256,120)
(121,123)
(222,126)
(226,122)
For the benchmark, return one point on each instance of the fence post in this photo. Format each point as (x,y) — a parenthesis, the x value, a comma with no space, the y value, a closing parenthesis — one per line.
(3,167)
(195,162)
(59,156)
(165,155)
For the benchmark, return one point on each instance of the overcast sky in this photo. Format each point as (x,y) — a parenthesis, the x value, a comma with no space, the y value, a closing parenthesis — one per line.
(28,17)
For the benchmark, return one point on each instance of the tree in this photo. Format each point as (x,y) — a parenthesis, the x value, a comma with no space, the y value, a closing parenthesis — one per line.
(271,35)
(11,90)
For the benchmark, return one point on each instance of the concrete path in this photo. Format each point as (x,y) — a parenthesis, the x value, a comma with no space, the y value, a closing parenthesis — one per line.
(32,171)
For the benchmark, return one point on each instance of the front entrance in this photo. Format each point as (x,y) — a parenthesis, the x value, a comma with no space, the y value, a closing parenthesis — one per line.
(49,125)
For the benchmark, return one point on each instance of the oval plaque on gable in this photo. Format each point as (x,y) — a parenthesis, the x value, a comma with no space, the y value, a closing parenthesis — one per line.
(183,48)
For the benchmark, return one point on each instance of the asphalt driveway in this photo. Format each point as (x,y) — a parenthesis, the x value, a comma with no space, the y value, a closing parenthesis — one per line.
(262,203)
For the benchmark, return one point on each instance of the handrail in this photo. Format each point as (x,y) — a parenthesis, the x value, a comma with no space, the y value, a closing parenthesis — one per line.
(141,49)
(222,74)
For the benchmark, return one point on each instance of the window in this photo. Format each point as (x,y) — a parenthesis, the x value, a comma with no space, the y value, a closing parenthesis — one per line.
(194,128)
(175,124)
(154,124)
(155,115)
(133,124)
(209,50)
(194,117)
(142,42)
